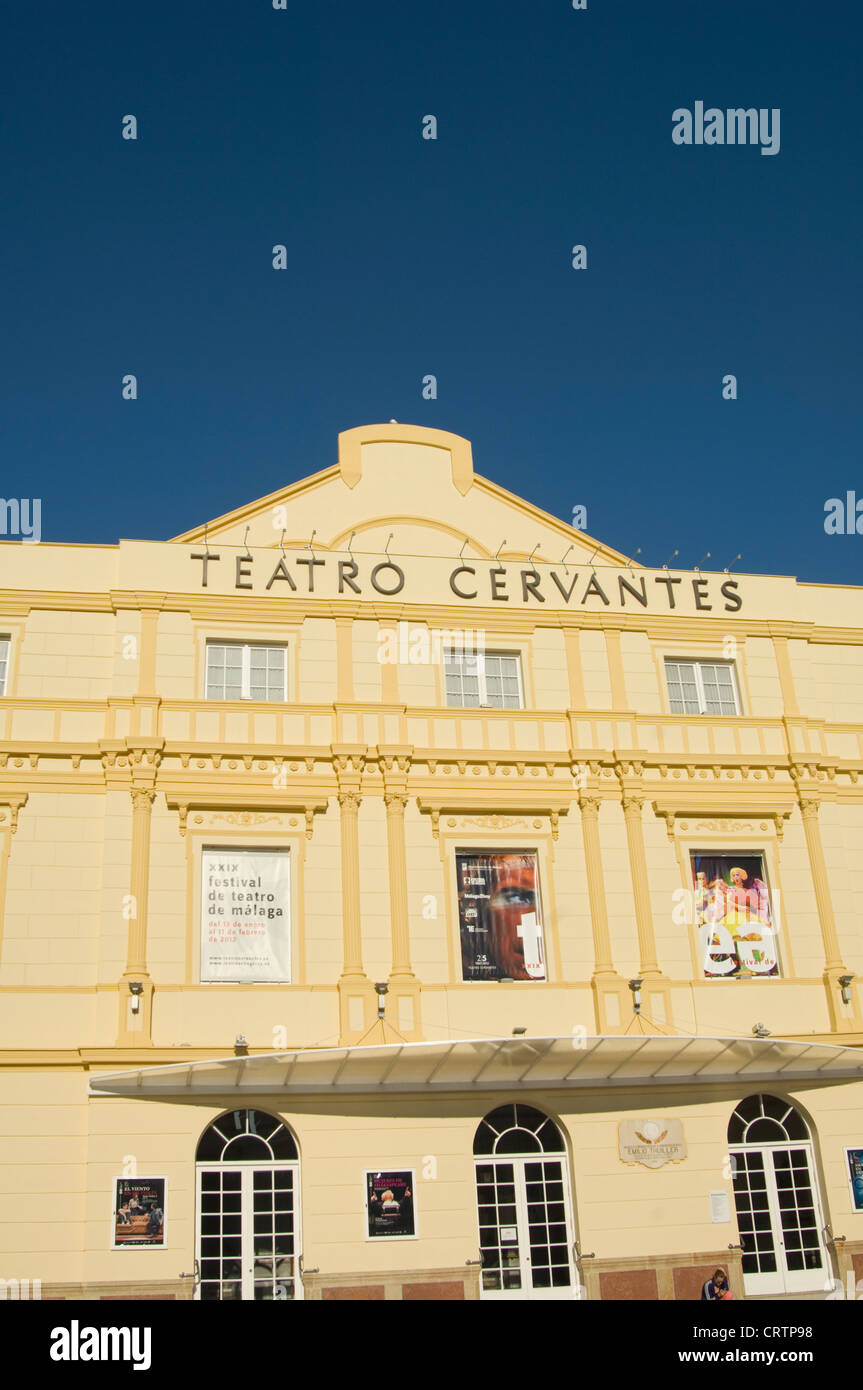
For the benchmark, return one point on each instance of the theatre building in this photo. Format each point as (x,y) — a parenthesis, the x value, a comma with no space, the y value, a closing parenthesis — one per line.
(405,896)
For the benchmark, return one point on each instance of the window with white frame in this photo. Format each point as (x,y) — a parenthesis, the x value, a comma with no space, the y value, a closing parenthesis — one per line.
(4,663)
(702,687)
(246,671)
(483,680)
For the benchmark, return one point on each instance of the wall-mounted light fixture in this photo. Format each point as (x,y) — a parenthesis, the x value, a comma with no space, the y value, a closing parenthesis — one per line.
(381,990)
(635,986)
(241,1047)
(519,1032)
(845,982)
(759,1031)
(136,989)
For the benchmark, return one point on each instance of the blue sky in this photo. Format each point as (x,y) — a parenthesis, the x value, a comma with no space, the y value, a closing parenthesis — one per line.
(599,387)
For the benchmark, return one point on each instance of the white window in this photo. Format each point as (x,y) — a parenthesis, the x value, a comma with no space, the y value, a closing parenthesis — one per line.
(483,680)
(4,663)
(246,671)
(702,687)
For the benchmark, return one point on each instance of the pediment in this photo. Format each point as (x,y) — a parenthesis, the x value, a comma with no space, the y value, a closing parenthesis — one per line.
(403,490)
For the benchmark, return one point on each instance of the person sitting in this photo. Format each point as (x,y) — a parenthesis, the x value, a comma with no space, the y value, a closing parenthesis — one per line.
(717,1287)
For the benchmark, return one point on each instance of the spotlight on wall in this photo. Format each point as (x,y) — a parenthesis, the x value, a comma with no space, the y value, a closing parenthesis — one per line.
(241,1047)
(136,989)
(635,986)
(845,982)
(759,1031)
(519,1032)
(381,989)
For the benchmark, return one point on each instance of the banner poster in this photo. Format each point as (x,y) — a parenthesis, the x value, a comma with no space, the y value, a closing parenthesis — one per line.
(139,1213)
(855,1174)
(734,917)
(499,916)
(246,915)
(390,1204)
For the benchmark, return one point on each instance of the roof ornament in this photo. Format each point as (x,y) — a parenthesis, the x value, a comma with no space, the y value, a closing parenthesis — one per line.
(629,562)
(727,569)
(671,557)
(701,562)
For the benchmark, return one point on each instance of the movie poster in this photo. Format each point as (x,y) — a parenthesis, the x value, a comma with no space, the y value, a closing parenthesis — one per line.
(734,917)
(499,916)
(855,1177)
(139,1213)
(246,915)
(390,1204)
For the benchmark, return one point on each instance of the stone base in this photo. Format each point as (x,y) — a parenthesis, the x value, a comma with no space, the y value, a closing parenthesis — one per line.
(407,1285)
(164,1291)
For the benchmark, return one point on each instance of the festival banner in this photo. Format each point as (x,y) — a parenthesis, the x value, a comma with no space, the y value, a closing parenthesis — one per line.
(246,915)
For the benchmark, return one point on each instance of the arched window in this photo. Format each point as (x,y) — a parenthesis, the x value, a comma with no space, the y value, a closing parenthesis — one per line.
(779,1212)
(766,1120)
(245,1136)
(517,1129)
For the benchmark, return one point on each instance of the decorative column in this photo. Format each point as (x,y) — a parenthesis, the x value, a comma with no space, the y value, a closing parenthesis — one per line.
(136,1006)
(840,1021)
(632,806)
(397,856)
(349,801)
(604,964)
(610,992)
(403,1001)
(657,1007)
(356,995)
(10,805)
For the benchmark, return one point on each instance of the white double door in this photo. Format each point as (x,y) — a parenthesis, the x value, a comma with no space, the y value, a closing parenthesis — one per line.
(780,1219)
(248,1231)
(525,1228)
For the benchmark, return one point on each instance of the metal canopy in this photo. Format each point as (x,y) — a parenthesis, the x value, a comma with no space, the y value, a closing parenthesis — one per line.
(495,1064)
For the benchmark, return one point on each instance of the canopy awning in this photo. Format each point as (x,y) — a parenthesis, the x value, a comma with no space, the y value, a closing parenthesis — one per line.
(495,1064)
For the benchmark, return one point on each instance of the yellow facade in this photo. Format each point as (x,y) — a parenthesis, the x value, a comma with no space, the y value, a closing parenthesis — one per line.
(117,772)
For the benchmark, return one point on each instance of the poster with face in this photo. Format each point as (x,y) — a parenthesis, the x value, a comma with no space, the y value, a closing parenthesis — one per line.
(246,915)
(499,915)
(139,1213)
(390,1204)
(734,918)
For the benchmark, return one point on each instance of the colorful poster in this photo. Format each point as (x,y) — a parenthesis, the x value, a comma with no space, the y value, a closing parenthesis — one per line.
(139,1213)
(855,1175)
(734,917)
(499,916)
(246,915)
(390,1204)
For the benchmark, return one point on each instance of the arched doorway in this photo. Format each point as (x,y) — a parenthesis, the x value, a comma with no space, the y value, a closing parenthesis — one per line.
(779,1211)
(524,1206)
(248,1209)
